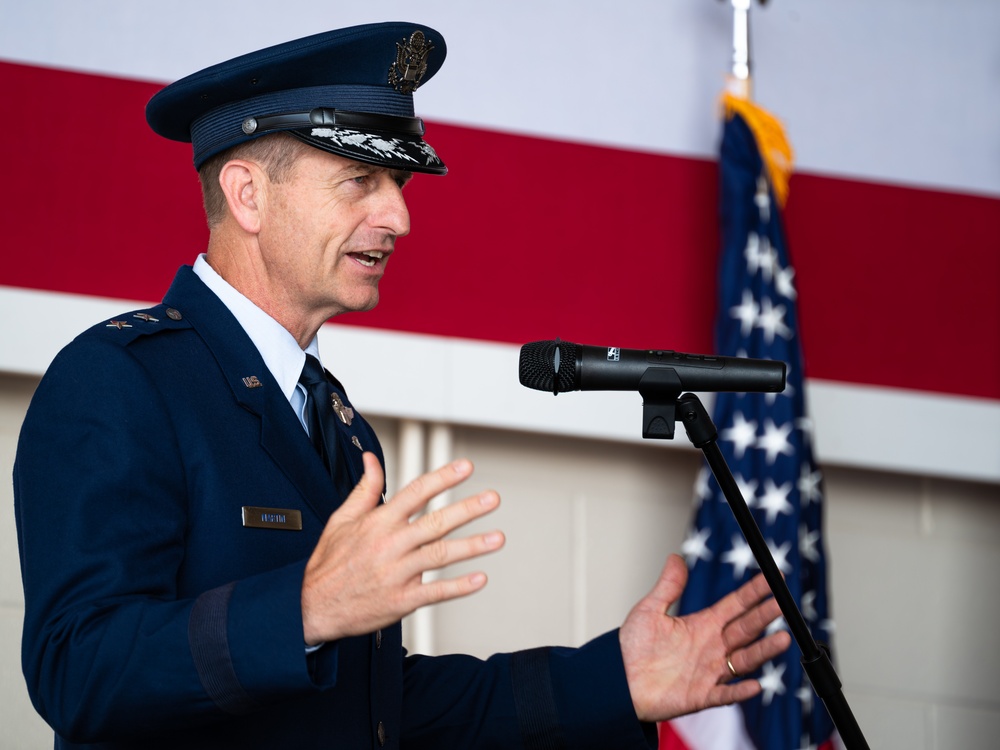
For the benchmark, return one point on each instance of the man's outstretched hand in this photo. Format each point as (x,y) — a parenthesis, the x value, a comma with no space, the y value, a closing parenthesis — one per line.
(367,569)
(678,665)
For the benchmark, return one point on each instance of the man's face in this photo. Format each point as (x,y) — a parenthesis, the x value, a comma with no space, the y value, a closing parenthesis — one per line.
(327,231)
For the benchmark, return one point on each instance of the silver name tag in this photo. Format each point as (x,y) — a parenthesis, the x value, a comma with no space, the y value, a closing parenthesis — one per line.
(271,518)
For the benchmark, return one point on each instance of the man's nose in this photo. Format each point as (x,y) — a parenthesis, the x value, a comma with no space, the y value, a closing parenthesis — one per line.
(392,213)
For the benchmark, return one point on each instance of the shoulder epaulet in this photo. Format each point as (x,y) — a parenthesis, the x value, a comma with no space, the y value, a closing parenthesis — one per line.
(129,326)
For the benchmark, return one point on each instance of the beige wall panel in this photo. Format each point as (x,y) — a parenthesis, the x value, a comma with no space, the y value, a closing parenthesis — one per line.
(894,723)
(15,392)
(966,728)
(915,602)
(20,727)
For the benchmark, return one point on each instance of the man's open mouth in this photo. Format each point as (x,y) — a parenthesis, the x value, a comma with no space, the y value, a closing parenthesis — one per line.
(368,257)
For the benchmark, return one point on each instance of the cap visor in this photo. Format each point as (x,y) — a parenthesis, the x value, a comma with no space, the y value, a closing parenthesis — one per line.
(381,149)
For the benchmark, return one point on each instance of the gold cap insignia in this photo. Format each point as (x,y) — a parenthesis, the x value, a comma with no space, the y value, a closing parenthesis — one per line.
(411,63)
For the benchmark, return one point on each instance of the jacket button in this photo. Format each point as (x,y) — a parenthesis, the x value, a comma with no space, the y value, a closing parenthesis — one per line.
(378,639)
(381,734)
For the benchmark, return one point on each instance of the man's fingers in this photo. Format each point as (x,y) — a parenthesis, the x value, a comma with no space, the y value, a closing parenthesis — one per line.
(749,626)
(738,602)
(443,521)
(415,496)
(446,589)
(750,658)
(734,692)
(444,552)
(670,585)
(368,491)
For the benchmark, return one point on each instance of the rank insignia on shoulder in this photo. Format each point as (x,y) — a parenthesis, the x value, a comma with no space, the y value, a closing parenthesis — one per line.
(147,317)
(119,324)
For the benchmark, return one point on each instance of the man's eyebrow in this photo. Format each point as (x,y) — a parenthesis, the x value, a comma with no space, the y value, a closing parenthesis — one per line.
(359,169)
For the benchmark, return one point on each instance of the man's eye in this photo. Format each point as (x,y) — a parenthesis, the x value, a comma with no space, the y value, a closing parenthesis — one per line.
(361,179)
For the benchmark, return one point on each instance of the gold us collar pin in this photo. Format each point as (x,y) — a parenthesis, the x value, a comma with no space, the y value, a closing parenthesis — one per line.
(345,413)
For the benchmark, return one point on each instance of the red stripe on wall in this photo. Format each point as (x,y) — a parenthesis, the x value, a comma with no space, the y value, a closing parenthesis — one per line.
(528,239)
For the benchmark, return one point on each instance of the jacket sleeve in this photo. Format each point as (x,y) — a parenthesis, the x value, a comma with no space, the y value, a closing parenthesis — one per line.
(110,648)
(541,699)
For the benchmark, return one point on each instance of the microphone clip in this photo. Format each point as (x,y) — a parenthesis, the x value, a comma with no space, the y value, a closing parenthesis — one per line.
(660,387)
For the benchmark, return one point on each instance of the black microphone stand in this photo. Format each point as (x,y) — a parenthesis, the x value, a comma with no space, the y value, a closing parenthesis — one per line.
(661,403)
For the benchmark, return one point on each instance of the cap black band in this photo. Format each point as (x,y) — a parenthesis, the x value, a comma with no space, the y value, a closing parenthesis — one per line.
(329,117)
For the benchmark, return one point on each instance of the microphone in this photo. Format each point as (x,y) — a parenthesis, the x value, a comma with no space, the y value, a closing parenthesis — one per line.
(560,366)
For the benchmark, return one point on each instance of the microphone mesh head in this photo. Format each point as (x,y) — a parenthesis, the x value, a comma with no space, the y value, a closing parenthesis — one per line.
(537,368)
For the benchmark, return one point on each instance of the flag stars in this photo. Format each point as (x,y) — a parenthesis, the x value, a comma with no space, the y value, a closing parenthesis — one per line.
(784,283)
(772,321)
(762,199)
(808,543)
(805,696)
(780,555)
(772,682)
(695,547)
(748,488)
(809,485)
(740,556)
(774,500)
(774,441)
(776,626)
(702,491)
(808,606)
(742,434)
(760,256)
(746,312)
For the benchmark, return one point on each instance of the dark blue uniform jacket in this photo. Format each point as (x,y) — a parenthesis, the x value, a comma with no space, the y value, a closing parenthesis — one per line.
(156,618)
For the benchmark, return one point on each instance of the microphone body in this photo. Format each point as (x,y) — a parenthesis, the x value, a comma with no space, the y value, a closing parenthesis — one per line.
(560,366)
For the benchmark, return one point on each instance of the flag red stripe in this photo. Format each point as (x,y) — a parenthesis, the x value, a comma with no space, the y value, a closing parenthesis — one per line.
(527,239)
(669,739)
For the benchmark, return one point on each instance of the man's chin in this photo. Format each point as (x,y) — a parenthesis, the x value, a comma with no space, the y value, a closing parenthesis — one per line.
(361,305)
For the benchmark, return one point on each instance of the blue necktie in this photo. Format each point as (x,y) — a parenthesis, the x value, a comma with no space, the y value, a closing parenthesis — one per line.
(322,423)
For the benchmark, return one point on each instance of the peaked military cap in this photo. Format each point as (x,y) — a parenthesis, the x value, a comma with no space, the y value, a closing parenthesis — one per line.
(349,92)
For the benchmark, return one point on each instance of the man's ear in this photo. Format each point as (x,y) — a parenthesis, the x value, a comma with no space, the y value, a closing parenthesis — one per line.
(244,185)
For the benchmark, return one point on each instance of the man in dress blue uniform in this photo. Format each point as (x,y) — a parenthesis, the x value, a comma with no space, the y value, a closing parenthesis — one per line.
(207,555)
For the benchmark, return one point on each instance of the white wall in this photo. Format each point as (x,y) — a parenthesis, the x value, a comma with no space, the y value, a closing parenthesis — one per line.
(913,562)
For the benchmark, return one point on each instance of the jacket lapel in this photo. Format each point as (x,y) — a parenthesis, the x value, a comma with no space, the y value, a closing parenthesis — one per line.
(254,388)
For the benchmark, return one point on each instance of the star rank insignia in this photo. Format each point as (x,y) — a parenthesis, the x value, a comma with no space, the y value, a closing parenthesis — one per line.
(147,317)
(119,324)
(411,63)
(345,413)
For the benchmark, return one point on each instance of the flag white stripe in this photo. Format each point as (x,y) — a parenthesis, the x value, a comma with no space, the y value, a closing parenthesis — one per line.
(894,91)
(475,382)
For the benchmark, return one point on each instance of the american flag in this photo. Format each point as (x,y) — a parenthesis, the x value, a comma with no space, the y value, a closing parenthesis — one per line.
(765,439)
